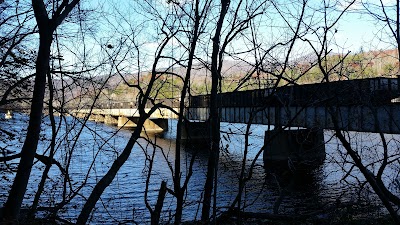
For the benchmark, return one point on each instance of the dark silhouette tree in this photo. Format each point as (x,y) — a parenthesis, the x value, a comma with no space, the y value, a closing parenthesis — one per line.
(46,27)
(388,15)
(373,172)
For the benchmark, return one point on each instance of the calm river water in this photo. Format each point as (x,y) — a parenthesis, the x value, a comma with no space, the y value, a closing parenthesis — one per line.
(123,200)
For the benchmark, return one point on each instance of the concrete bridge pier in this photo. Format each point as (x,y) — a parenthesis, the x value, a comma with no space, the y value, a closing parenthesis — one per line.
(99,118)
(79,115)
(156,124)
(126,122)
(110,120)
(92,117)
(153,125)
(197,134)
(300,147)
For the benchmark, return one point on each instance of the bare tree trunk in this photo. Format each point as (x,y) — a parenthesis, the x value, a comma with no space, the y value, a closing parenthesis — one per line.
(14,201)
(179,191)
(46,28)
(214,115)
(155,215)
(397,35)
(54,132)
(109,176)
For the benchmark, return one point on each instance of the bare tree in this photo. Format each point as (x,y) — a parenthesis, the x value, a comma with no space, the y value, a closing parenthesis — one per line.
(196,14)
(145,97)
(204,33)
(388,15)
(47,27)
(221,41)
(15,63)
(373,172)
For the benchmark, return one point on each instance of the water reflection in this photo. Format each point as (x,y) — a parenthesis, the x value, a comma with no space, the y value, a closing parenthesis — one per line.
(269,190)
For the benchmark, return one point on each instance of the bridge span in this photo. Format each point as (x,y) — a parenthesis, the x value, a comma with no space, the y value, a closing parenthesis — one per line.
(126,114)
(365,105)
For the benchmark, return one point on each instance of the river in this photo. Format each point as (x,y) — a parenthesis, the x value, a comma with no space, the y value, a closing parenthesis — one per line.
(123,201)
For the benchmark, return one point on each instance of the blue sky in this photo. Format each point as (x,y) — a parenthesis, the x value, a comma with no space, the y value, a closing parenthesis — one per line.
(354,31)
(360,30)
(357,31)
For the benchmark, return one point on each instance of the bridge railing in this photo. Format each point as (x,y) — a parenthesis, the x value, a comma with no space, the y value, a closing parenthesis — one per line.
(171,102)
(378,91)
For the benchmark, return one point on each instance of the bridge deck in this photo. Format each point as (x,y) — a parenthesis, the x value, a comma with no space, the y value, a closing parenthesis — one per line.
(360,105)
(376,91)
(367,105)
(130,112)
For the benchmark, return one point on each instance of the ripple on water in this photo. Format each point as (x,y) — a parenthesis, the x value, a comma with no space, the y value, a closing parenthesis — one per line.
(124,198)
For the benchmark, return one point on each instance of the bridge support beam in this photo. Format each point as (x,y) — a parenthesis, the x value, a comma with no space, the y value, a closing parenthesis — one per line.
(124,121)
(302,147)
(110,120)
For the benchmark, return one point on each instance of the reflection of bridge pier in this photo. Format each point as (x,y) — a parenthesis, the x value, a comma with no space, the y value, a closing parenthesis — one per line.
(197,133)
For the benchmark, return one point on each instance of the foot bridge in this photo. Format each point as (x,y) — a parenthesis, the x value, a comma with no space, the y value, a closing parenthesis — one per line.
(298,113)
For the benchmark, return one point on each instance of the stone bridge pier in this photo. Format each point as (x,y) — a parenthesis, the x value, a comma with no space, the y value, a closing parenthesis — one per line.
(152,125)
(126,122)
